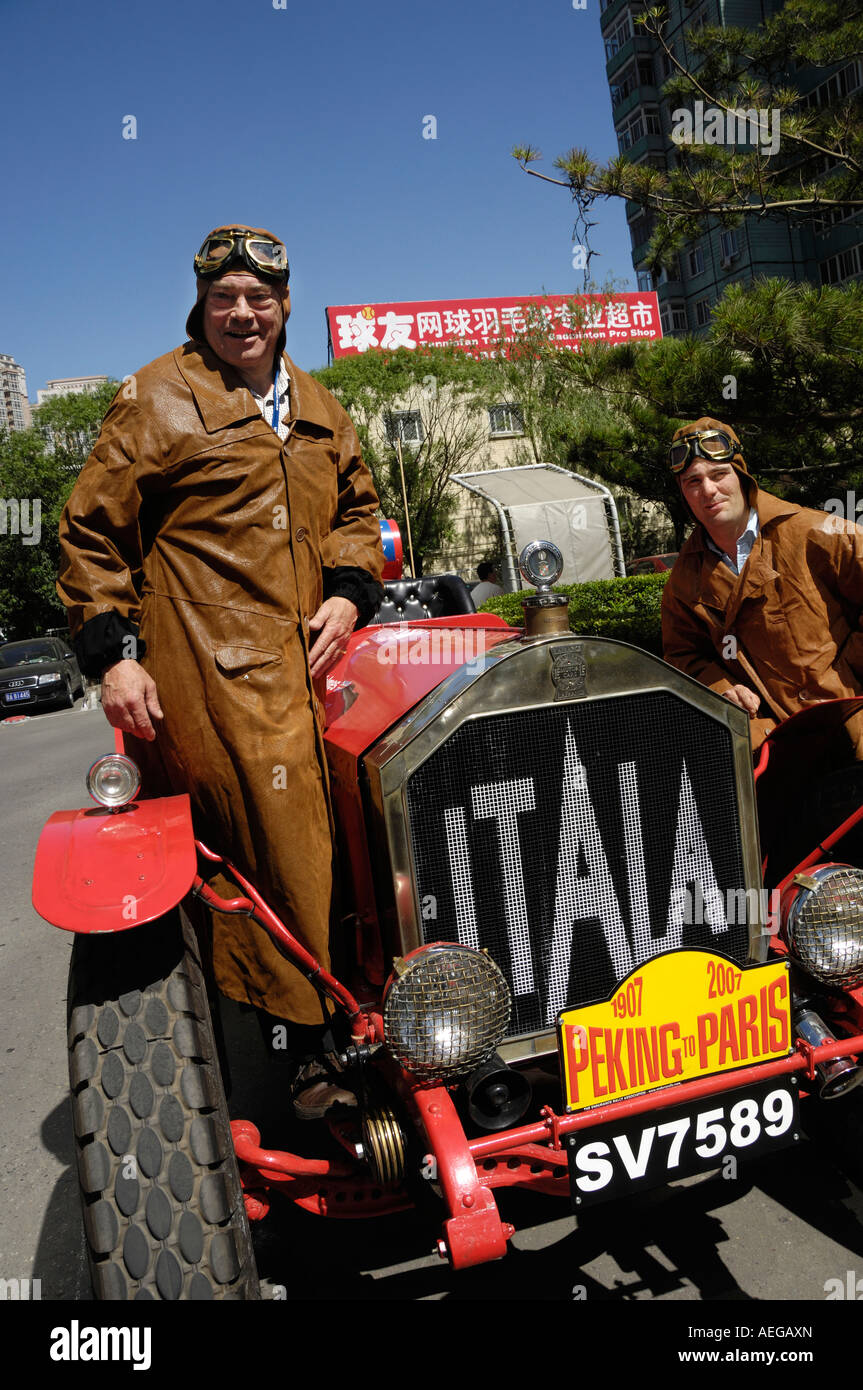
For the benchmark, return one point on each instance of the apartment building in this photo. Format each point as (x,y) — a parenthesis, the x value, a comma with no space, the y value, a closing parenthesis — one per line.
(14,405)
(69,386)
(828,252)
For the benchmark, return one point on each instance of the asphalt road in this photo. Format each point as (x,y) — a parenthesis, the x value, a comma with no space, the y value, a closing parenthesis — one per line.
(780,1231)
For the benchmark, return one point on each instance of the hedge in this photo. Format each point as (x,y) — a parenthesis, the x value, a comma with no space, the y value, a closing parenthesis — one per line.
(626,609)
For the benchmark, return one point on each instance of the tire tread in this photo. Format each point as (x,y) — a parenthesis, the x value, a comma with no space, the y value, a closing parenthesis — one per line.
(146,1088)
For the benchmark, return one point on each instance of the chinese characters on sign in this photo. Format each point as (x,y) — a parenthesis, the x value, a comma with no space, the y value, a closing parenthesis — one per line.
(481,325)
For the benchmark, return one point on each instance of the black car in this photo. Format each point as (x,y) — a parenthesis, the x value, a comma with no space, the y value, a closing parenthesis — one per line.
(40,671)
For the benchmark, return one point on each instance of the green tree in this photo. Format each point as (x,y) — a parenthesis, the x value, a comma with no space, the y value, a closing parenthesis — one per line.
(781,362)
(38,469)
(813,168)
(448,391)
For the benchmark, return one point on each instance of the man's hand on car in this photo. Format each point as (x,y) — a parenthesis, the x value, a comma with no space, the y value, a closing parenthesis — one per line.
(744,698)
(129,699)
(334,622)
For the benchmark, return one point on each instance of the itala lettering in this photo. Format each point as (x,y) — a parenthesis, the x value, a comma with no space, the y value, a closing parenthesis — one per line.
(585,889)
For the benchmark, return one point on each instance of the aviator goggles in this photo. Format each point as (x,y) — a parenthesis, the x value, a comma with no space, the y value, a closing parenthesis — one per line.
(262,255)
(714,445)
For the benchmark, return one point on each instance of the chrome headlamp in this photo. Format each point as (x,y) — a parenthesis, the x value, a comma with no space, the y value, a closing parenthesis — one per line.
(446,1008)
(113,780)
(823,916)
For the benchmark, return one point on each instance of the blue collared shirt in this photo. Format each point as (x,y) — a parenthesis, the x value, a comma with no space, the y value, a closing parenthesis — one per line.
(744,544)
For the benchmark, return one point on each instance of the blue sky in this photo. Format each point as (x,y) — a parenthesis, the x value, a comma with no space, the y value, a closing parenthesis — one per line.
(307,121)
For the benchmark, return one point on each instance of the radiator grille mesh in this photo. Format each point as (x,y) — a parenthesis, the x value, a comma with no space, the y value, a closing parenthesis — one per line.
(575,841)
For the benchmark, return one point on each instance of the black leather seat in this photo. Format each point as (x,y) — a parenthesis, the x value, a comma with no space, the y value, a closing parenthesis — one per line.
(432,596)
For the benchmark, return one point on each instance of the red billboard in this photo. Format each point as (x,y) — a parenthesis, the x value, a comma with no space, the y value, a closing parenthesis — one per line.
(480,325)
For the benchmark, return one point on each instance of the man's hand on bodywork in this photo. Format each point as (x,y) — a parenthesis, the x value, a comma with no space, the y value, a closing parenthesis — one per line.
(334,622)
(744,698)
(129,699)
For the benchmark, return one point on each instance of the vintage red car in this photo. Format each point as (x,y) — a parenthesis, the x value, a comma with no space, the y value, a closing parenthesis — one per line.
(568,963)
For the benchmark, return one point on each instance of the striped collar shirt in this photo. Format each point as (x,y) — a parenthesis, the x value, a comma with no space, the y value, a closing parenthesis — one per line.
(265,403)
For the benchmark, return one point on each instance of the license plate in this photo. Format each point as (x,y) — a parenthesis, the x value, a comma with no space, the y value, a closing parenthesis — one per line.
(11,695)
(685,1014)
(633,1155)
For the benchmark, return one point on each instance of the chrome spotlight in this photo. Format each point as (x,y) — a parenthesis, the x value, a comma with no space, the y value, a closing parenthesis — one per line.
(837,1076)
(823,916)
(446,1008)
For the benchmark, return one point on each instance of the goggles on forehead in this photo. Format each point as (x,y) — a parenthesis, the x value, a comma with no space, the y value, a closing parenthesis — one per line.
(262,255)
(715,445)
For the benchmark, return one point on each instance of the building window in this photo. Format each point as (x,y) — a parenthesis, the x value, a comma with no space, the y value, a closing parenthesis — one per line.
(696,262)
(404,425)
(632,131)
(673,317)
(640,230)
(505,419)
(645,281)
(636,75)
(843,266)
(729,245)
(625,84)
(619,35)
(841,84)
(702,312)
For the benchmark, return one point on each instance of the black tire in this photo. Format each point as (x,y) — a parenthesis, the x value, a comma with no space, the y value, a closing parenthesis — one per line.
(69,695)
(163,1207)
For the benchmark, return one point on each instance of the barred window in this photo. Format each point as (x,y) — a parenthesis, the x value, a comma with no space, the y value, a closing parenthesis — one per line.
(404,425)
(505,419)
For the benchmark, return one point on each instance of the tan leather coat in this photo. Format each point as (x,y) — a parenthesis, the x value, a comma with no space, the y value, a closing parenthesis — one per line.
(192,519)
(788,625)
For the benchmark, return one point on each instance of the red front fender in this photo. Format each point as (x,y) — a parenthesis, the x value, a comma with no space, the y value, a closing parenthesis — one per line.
(101,871)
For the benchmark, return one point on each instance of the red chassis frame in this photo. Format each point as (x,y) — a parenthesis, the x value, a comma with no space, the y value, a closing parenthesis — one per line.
(159,833)
(530,1155)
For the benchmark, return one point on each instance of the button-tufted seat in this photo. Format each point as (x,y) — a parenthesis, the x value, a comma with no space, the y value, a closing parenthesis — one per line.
(432,596)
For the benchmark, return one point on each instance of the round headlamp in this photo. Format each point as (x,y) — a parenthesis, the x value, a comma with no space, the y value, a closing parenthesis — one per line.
(113,780)
(446,1008)
(823,917)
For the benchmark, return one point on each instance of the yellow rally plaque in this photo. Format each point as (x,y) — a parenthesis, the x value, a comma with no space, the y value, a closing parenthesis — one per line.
(682,1015)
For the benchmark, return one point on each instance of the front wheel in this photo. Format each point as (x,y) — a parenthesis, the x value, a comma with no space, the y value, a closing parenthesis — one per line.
(163,1206)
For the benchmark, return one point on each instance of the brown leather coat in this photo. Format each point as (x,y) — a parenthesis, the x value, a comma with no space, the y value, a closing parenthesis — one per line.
(788,625)
(192,519)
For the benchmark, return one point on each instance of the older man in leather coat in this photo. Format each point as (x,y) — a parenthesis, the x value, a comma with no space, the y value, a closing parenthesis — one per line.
(764,602)
(217,550)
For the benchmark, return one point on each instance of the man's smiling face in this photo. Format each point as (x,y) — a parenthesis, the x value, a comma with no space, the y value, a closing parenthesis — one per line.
(242,321)
(716,498)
